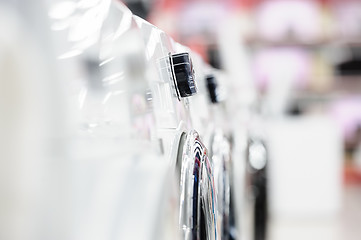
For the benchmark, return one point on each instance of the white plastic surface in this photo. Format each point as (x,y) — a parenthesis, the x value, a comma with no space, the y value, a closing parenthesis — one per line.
(305,164)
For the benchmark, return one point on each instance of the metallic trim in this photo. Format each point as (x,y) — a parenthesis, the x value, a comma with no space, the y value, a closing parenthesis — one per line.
(197,192)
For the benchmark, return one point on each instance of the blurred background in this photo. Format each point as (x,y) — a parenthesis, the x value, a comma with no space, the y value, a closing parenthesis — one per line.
(304,59)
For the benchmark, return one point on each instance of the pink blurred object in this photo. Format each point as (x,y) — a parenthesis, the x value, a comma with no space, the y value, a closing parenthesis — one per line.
(201,17)
(348,18)
(278,19)
(347,113)
(292,63)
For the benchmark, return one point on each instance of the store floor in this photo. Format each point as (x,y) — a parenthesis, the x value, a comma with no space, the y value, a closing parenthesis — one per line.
(346,226)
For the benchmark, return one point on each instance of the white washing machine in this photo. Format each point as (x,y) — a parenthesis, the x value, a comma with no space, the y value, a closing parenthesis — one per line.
(208,114)
(172,85)
(118,179)
(218,138)
(122,186)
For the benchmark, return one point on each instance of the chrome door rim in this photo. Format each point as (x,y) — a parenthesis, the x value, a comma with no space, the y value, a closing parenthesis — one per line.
(197,192)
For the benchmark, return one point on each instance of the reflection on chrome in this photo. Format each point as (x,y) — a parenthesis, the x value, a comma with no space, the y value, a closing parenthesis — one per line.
(257,155)
(221,157)
(198,209)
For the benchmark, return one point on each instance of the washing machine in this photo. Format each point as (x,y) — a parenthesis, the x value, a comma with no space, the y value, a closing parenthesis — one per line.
(173,85)
(249,174)
(220,152)
(208,113)
(122,184)
(257,166)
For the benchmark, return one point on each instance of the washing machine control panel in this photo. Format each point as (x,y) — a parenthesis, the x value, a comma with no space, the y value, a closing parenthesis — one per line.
(183,74)
(212,88)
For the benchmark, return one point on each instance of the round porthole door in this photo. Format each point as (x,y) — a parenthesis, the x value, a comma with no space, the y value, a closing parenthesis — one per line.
(198,204)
